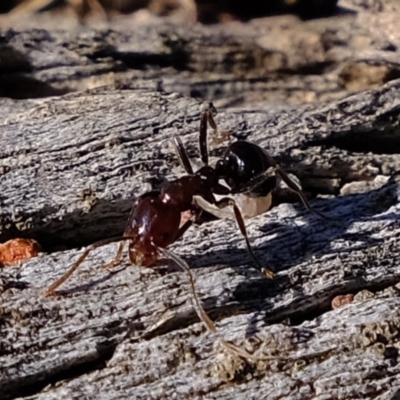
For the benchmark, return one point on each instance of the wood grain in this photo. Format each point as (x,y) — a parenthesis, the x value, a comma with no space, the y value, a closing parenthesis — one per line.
(87,341)
(322,96)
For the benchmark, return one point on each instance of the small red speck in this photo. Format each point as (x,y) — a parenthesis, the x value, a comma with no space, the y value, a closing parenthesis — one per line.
(17,250)
(340,301)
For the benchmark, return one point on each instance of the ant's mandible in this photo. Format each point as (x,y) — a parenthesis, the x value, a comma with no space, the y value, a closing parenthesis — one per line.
(155,222)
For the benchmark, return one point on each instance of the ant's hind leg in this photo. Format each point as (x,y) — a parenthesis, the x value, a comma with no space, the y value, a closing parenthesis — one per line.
(297,189)
(201,312)
(182,154)
(205,120)
(225,202)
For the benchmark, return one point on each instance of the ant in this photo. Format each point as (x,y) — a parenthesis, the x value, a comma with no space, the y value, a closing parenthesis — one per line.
(156,221)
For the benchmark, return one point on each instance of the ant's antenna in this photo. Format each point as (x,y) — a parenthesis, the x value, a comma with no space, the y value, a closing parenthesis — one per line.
(51,290)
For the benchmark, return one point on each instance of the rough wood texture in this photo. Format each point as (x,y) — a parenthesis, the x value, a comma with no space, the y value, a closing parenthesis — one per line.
(72,165)
(271,60)
(74,144)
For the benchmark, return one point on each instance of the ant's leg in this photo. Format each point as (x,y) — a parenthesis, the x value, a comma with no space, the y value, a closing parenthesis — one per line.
(206,118)
(225,202)
(183,229)
(51,290)
(182,154)
(117,258)
(297,189)
(211,111)
(203,138)
(198,217)
(198,307)
(258,186)
(200,311)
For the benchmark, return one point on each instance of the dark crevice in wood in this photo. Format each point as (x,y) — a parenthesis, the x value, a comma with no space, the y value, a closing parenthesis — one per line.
(376,142)
(15,81)
(216,89)
(11,60)
(141,61)
(76,229)
(20,86)
(325,306)
(35,384)
(382,137)
(309,69)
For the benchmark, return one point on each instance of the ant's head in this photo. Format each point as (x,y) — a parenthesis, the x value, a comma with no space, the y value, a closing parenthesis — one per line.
(152,224)
(143,253)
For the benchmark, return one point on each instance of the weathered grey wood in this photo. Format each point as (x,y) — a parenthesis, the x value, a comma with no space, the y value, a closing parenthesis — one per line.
(271,60)
(342,353)
(46,340)
(72,165)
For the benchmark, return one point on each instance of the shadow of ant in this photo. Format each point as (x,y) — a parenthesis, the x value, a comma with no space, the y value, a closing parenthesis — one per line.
(314,238)
(91,284)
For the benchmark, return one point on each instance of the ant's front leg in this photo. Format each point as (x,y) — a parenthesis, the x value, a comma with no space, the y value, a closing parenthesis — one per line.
(116,259)
(226,202)
(51,290)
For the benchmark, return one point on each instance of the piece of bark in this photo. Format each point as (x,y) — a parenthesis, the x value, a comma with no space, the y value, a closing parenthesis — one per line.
(73,165)
(86,342)
(16,250)
(54,149)
(272,60)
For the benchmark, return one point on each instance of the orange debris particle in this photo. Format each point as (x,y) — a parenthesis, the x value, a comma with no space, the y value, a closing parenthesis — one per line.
(340,301)
(16,250)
